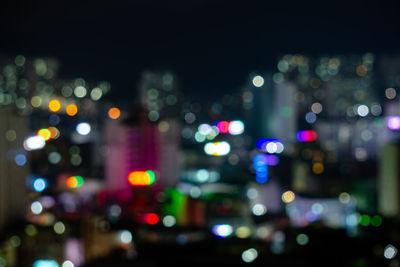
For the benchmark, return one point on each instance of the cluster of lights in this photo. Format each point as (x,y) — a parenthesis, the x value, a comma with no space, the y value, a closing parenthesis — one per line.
(261,168)
(206,132)
(230,127)
(270,145)
(34,142)
(306,136)
(141,178)
(217,148)
(74,181)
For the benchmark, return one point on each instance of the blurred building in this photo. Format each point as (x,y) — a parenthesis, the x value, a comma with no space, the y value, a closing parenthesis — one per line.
(14,166)
(137,144)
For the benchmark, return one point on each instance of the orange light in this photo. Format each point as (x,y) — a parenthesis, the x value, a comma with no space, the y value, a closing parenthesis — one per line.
(72,109)
(45,133)
(54,105)
(114,113)
(72,182)
(55,133)
(141,178)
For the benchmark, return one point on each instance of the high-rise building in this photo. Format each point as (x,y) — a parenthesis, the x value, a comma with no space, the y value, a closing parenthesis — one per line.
(14,166)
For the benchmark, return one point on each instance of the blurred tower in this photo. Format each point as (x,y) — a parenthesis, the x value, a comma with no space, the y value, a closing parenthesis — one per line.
(389,180)
(13,166)
(138,144)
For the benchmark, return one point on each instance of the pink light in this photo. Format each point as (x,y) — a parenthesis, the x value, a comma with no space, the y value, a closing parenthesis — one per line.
(393,123)
(306,136)
(223,126)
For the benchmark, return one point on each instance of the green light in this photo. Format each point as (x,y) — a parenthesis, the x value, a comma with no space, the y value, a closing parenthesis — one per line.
(376,220)
(79,180)
(152,176)
(365,220)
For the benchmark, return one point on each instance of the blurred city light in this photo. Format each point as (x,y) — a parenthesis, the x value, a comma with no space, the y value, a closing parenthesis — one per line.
(306,136)
(393,122)
(83,128)
(217,148)
(45,263)
(141,178)
(222,230)
(39,184)
(74,181)
(249,255)
(34,143)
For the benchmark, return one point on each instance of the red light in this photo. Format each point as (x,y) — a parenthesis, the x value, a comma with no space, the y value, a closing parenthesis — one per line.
(223,126)
(152,218)
(306,136)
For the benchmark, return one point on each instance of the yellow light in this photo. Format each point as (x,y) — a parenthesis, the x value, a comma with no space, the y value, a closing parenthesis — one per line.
(288,196)
(45,133)
(54,105)
(318,168)
(114,113)
(71,110)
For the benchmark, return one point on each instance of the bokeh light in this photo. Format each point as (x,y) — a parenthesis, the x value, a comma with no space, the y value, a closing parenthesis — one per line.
(74,181)
(54,105)
(83,128)
(114,113)
(72,110)
(141,178)
(222,230)
(45,133)
(249,255)
(288,196)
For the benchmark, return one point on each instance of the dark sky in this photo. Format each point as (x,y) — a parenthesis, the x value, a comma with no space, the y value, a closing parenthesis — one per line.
(212,45)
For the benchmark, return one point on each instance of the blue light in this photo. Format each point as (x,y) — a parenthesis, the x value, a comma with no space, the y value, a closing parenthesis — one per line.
(54,119)
(261,167)
(310,117)
(20,159)
(39,184)
(45,263)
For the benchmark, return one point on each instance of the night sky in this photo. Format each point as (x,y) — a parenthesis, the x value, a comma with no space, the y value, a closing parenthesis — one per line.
(213,46)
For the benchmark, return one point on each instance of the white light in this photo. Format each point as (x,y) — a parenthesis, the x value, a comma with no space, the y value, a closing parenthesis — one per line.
(68,264)
(202,175)
(80,91)
(249,255)
(195,192)
(125,236)
(83,128)
(271,147)
(36,207)
(34,142)
(217,148)
(390,252)
(236,127)
(279,147)
(362,110)
(222,230)
(205,129)
(169,221)
(258,81)
(259,209)
(252,193)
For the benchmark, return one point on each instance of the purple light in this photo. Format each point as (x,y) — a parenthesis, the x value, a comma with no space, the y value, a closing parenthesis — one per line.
(393,123)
